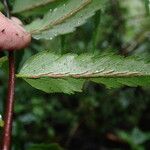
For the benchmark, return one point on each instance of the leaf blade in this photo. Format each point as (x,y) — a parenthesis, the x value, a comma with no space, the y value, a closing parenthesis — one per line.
(68,73)
(64,19)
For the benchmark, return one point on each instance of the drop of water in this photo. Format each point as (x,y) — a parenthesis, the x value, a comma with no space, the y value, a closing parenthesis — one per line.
(55,9)
(78,22)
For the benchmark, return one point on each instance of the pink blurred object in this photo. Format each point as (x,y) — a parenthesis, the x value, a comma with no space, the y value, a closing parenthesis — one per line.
(16,20)
(12,35)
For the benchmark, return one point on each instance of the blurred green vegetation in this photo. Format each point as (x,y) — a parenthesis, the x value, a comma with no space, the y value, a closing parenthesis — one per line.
(98,118)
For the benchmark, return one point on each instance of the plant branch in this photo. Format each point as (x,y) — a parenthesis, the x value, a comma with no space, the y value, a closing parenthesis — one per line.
(6,139)
(8,118)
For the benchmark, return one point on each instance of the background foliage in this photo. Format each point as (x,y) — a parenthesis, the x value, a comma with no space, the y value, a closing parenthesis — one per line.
(98,118)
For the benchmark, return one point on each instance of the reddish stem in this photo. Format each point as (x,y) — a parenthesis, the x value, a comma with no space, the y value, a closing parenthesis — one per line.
(8,119)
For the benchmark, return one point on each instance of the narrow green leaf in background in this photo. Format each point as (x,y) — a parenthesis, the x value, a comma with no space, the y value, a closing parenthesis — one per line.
(49,72)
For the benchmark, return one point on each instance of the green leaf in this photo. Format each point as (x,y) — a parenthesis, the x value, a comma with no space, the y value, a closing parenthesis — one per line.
(64,19)
(135,137)
(26,5)
(45,147)
(2,61)
(50,72)
(1,122)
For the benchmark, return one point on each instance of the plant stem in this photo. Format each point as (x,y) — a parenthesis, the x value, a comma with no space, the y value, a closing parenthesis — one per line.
(8,119)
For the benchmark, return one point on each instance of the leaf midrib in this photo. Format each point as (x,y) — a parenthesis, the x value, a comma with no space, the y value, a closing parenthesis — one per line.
(107,74)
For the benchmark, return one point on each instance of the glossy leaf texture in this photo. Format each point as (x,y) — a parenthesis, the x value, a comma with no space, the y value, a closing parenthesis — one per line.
(64,18)
(67,73)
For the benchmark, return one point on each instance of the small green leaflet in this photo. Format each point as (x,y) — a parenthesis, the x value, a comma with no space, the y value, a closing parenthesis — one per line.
(26,5)
(54,73)
(64,19)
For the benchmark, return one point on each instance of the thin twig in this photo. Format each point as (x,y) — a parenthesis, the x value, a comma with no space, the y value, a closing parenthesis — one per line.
(8,119)
(6,139)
